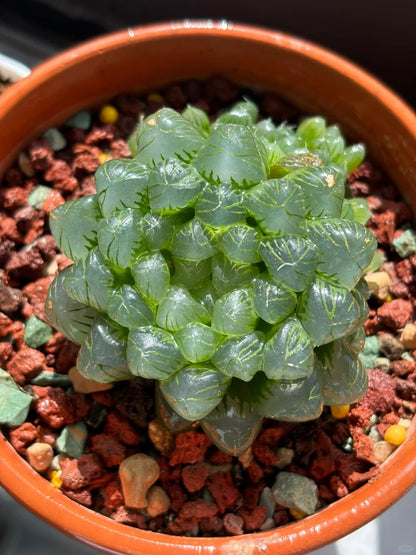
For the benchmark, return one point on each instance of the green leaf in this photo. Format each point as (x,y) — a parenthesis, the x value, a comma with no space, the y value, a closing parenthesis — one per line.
(288,354)
(122,183)
(151,275)
(230,429)
(220,205)
(293,401)
(228,275)
(232,154)
(244,113)
(153,353)
(273,302)
(90,281)
(327,312)
(120,237)
(290,259)
(240,357)
(158,229)
(197,342)
(195,390)
(198,118)
(14,402)
(343,377)
(167,134)
(356,209)
(128,308)
(178,308)
(192,241)
(102,356)
(73,226)
(292,162)
(234,313)
(173,186)
(346,248)
(354,155)
(190,273)
(312,130)
(240,243)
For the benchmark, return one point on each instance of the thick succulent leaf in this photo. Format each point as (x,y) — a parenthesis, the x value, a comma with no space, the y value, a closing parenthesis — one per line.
(288,354)
(14,402)
(121,183)
(73,226)
(240,357)
(192,241)
(151,275)
(168,417)
(346,248)
(353,156)
(206,294)
(68,316)
(240,243)
(230,430)
(293,162)
(129,308)
(234,313)
(312,130)
(197,342)
(323,189)
(178,308)
(356,209)
(158,229)
(102,356)
(173,186)
(342,376)
(195,390)
(290,259)
(167,134)
(228,275)
(327,311)
(198,118)
(153,353)
(120,237)
(354,341)
(244,113)
(273,303)
(190,273)
(220,205)
(277,205)
(90,281)
(232,154)
(295,401)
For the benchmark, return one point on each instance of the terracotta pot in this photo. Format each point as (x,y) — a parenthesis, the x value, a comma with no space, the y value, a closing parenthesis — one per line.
(316,81)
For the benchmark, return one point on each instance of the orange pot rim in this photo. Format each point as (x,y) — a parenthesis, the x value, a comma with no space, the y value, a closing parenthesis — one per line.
(397,474)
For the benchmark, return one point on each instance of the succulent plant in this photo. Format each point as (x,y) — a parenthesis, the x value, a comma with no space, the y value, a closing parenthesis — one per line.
(224,261)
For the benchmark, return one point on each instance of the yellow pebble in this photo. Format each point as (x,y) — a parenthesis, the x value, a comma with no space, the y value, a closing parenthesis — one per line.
(104,157)
(298,515)
(154,97)
(340,412)
(108,114)
(389,298)
(55,478)
(395,434)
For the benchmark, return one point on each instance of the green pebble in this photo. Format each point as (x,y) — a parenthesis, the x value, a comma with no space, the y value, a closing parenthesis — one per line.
(80,120)
(72,440)
(405,244)
(36,332)
(55,138)
(370,352)
(38,196)
(53,379)
(407,356)
(14,402)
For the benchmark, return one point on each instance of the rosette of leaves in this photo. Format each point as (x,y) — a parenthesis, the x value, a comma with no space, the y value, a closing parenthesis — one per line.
(225,262)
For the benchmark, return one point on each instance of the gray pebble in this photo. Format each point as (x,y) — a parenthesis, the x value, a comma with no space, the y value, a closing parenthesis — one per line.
(296,492)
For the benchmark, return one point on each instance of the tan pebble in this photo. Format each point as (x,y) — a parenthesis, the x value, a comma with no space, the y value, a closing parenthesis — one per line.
(39,456)
(408,336)
(246,458)
(137,474)
(161,437)
(382,450)
(158,502)
(25,165)
(82,385)
(379,284)
(214,468)
(404,423)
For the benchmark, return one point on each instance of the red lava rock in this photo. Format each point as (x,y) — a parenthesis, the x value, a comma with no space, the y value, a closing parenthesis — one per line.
(219,457)
(360,415)
(46,435)
(113,496)
(103,133)
(383,227)
(405,389)
(233,524)
(211,526)
(119,148)
(200,508)
(255,472)
(355,472)
(180,526)
(176,494)
(111,451)
(324,461)
(380,393)
(10,298)
(363,445)
(53,200)
(81,405)
(6,350)
(395,314)
(13,198)
(190,448)
(125,515)
(36,293)
(40,154)
(122,428)
(405,271)
(25,365)
(222,488)
(26,264)
(23,436)
(80,496)
(80,473)
(253,519)
(401,210)
(402,368)
(105,398)
(337,486)
(195,475)
(251,496)
(264,454)
(53,406)
(8,229)
(281,517)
